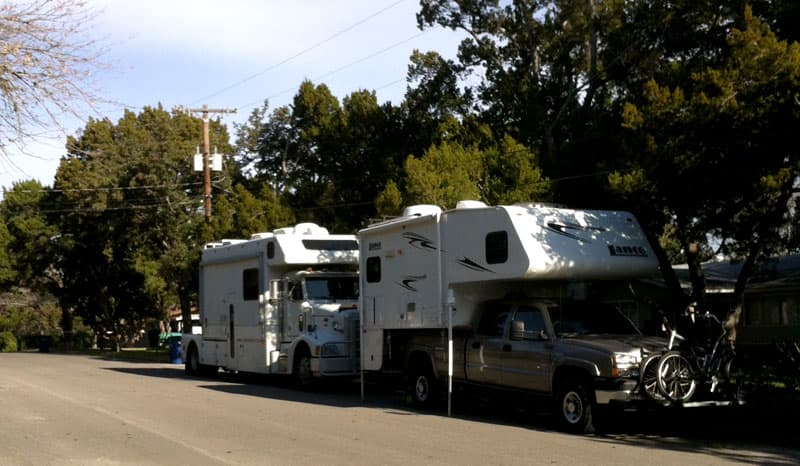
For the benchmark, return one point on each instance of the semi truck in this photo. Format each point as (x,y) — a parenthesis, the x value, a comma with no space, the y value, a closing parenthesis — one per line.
(521,298)
(281,302)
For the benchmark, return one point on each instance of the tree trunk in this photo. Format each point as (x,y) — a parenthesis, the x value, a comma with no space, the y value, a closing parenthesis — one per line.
(748,267)
(696,274)
(186,310)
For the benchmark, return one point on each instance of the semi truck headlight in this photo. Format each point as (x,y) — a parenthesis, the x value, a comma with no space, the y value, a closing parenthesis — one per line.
(330,350)
(626,364)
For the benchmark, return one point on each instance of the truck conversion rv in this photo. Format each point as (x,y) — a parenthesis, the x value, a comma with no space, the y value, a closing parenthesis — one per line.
(282,302)
(520,298)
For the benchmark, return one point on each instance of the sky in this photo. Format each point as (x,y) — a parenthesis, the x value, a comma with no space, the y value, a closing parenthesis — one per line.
(235,54)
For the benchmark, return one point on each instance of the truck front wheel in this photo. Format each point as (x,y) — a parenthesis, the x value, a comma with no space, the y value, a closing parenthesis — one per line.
(574,407)
(423,386)
(303,376)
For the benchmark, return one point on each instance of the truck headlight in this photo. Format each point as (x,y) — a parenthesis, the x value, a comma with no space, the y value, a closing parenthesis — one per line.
(330,350)
(626,364)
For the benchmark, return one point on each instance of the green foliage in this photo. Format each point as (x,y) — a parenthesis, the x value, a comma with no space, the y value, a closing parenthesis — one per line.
(389,202)
(8,342)
(8,270)
(444,175)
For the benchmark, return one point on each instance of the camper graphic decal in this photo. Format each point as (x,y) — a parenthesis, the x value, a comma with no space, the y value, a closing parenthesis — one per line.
(418,241)
(562,229)
(409,281)
(472,265)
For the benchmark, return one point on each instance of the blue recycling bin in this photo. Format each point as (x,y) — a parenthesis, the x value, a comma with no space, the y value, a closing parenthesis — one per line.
(175,349)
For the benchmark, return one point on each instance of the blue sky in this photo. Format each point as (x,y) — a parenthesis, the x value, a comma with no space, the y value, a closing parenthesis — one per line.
(236,53)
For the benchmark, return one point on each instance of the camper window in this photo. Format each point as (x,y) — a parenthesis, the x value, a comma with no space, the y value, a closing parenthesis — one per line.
(250,284)
(373,269)
(271,250)
(496,247)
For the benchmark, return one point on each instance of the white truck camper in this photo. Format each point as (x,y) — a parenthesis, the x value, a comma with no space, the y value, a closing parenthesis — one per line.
(505,278)
(283,302)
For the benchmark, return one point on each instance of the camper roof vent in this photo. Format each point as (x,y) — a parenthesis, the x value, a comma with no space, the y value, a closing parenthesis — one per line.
(309,229)
(421,209)
(284,231)
(261,235)
(469,204)
(228,242)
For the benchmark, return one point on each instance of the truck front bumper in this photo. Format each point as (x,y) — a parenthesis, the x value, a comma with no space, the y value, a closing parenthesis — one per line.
(618,390)
(336,366)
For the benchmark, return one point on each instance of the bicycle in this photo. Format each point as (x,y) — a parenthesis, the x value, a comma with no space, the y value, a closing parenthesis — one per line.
(681,371)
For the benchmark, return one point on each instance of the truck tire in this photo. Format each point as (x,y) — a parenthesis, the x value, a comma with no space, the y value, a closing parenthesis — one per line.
(193,366)
(423,387)
(574,407)
(303,377)
(192,363)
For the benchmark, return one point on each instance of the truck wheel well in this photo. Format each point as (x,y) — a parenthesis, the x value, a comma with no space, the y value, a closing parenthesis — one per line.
(569,374)
(420,360)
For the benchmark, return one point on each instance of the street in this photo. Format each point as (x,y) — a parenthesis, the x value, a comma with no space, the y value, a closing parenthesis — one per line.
(80,410)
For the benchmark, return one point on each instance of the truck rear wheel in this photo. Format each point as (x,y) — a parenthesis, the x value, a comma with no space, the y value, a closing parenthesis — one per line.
(574,407)
(422,384)
(192,363)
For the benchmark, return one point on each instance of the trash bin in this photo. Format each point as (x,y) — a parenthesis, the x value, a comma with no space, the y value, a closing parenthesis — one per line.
(44,343)
(175,349)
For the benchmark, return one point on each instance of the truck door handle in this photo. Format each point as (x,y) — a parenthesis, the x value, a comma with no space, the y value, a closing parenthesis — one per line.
(476,344)
(507,348)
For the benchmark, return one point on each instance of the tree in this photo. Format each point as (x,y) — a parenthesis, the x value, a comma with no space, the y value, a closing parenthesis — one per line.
(719,158)
(46,65)
(129,219)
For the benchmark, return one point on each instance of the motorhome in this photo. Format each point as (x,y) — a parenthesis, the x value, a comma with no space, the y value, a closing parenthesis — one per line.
(521,297)
(282,302)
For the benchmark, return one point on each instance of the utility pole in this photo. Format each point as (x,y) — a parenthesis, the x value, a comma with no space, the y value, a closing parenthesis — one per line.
(205,112)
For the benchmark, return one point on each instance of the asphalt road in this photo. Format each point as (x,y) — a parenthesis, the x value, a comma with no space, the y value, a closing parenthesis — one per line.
(78,410)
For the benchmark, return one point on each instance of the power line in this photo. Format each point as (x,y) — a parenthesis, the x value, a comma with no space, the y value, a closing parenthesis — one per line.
(342,68)
(298,54)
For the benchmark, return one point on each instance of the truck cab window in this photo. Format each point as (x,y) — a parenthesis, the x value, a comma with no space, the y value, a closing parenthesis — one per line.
(493,321)
(295,291)
(534,322)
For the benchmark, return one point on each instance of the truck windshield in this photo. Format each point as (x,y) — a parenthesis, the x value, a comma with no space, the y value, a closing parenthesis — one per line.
(332,288)
(575,319)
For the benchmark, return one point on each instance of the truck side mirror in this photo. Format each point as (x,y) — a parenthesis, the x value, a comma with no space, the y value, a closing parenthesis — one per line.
(517,330)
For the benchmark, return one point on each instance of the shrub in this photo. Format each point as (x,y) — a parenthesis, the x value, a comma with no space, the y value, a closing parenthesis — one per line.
(8,342)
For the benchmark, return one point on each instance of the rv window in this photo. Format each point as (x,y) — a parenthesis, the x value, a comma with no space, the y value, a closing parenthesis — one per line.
(331,244)
(250,284)
(373,269)
(271,250)
(496,247)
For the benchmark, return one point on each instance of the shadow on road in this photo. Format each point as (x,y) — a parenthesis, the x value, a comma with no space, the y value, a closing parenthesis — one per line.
(755,434)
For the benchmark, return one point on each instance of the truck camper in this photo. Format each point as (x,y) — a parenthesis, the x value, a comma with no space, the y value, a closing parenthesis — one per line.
(522,297)
(282,302)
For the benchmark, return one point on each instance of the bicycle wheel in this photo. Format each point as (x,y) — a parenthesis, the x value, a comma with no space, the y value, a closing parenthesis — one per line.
(648,380)
(675,377)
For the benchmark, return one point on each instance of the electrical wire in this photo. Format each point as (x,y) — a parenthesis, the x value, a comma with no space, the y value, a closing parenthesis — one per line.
(298,54)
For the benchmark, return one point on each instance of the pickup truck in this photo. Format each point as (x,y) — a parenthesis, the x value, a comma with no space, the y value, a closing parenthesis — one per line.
(579,356)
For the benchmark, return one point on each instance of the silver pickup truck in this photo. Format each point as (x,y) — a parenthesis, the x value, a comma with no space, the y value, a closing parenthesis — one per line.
(579,355)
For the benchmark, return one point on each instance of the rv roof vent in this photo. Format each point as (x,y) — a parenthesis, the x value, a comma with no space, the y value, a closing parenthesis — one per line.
(213,245)
(261,235)
(468,204)
(284,231)
(421,209)
(309,229)
(228,242)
